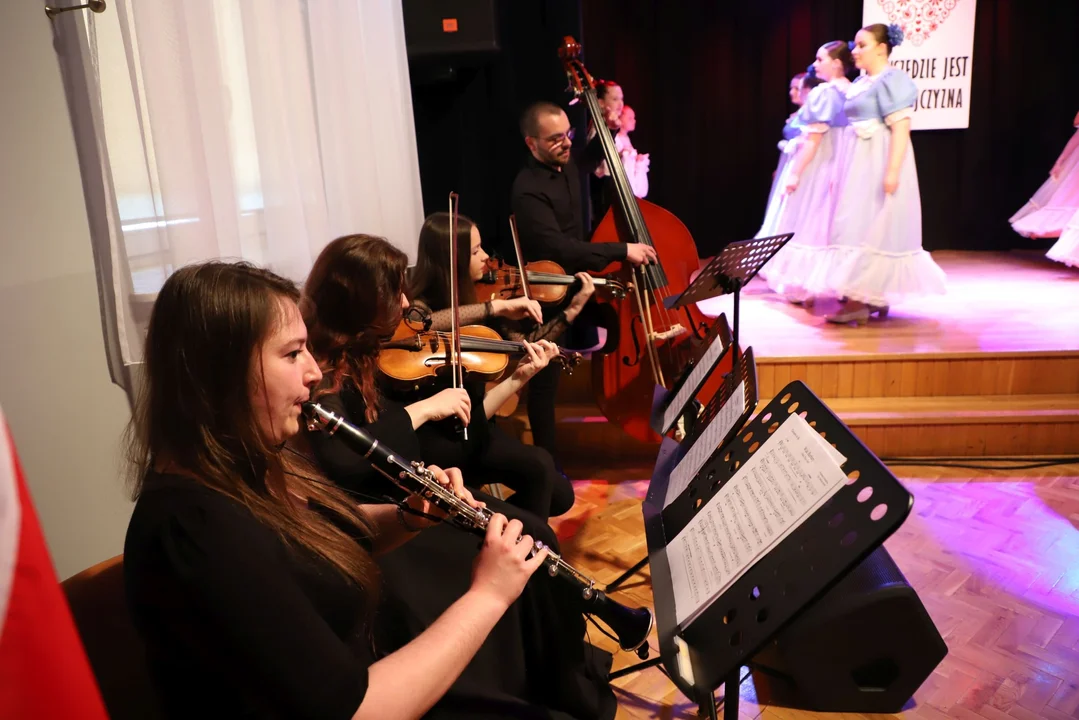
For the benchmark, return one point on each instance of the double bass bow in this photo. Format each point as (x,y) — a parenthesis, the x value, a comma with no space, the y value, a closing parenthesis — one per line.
(655,345)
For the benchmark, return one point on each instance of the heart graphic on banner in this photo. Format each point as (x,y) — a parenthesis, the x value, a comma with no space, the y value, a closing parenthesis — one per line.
(918,18)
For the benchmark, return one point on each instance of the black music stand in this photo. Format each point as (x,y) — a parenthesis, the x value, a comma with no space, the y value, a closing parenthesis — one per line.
(747,373)
(781,585)
(729,272)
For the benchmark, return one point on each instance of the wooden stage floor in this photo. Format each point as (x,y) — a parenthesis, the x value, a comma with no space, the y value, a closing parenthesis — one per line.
(993,555)
(996,303)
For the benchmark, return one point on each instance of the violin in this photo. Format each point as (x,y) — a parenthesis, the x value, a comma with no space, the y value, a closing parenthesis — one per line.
(413,357)
(549,282)
(655,345)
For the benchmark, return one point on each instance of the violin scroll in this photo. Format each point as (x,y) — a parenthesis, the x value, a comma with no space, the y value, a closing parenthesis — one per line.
(568,359)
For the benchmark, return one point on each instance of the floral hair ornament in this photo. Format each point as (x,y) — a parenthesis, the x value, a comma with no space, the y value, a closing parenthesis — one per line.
(850,45)
(895,35)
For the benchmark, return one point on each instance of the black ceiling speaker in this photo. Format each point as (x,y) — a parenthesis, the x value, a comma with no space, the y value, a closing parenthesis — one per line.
(450,27)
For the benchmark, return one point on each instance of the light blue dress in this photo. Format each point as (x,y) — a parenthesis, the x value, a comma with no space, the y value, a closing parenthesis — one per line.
(876,255)
(787,147)
(807,212)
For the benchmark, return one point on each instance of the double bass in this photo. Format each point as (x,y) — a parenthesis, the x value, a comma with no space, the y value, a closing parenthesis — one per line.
(655,345)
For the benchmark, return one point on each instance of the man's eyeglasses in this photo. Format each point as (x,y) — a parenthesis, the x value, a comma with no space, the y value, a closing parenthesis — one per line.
(560,137)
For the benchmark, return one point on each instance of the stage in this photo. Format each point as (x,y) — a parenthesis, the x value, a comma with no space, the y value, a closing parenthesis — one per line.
(997,303)
(990,369)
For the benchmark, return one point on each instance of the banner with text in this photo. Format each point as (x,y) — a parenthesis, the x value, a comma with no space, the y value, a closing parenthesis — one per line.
(937,52)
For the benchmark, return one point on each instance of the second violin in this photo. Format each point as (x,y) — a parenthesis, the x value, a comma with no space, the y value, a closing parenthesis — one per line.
(547,280)
(415,356)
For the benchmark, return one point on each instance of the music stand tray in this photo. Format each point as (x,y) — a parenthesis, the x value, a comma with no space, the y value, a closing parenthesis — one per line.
(719,332)
(783,583)
(729,272)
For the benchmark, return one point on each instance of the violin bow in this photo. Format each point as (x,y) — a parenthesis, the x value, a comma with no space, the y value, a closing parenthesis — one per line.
(456,366)
(522,271)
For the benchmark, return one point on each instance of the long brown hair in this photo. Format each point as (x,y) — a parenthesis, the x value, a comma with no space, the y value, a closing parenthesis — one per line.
(351,304)
(431,276)
(195,414)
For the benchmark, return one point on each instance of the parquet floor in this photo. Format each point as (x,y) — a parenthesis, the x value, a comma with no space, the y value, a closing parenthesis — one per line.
(993,554)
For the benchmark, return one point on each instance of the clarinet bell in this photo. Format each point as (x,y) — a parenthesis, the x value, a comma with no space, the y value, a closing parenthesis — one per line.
(630,625)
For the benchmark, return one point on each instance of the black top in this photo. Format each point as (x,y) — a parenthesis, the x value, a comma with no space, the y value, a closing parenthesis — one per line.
(547,204)
(349,469)
(236,623)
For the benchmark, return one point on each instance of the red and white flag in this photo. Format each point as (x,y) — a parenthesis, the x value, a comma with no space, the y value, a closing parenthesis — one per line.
(44,672)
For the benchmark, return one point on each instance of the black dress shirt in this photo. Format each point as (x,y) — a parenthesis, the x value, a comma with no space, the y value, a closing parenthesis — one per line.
(547,204)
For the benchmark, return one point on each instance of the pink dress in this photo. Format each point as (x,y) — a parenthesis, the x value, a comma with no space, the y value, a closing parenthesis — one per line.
(1056,201)
(1066,249)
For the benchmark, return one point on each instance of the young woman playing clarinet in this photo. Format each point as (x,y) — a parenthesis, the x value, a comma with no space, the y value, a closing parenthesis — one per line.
(250,580)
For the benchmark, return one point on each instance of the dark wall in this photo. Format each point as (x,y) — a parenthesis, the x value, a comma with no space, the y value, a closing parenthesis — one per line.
(708,80)
(466,110)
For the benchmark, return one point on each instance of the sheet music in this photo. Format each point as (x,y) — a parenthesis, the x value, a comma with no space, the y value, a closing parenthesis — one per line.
(706,444)
(689,387)
(783,483)
(831,451)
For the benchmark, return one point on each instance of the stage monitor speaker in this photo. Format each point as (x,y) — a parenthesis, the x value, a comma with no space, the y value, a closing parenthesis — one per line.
(450,27)
(866,646)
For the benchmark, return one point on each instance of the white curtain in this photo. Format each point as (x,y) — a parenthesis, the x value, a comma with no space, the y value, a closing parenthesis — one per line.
(236,129)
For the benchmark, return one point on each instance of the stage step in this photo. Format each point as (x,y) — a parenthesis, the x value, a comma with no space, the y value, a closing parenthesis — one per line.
(964,425)
(924,374)
(958,425)
(886,376)
(931,404)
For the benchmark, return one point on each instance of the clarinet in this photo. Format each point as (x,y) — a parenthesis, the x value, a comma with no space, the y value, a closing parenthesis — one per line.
(631,626)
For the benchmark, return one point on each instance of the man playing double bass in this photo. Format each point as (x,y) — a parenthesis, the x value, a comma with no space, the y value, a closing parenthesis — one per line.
(546,200)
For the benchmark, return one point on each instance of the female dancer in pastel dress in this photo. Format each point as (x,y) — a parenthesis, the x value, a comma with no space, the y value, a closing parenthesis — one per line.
(1066,249)
(635,163)
(1057,200)
(876,255)
(808,196)
(600,186)
(800,86)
